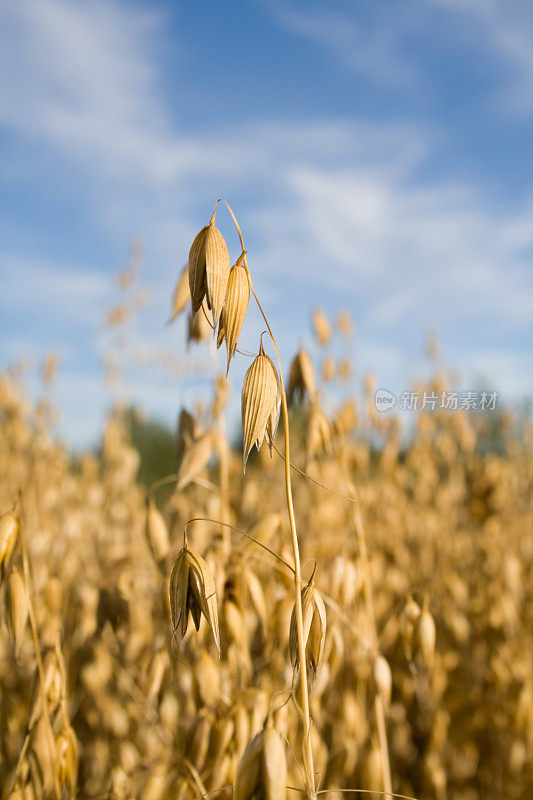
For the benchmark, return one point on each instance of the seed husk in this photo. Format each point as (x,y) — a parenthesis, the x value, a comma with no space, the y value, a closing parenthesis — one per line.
(426,636)
(345,324)
(221,333)
(383,679)
(328,369)
(156,532)
(194,460)
(188,431)
(301,377)
(410,614)
(17,607)
(209,267)
(260,403)
(318,433)
(9,529)
(192,588)
(262,771)
(322,328)
(235,306)
(221,395)
(273,420)
(314,623)
(67,753)
(199,326)
(181,295)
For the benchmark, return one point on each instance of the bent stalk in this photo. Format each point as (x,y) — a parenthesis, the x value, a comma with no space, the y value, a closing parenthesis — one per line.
(307,748)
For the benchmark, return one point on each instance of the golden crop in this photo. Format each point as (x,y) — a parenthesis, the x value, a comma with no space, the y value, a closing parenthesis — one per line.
(417,594)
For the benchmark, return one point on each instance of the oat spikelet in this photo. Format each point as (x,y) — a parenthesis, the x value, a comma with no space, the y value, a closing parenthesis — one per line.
(197,271)
(273,420)
(274,764)
(408,618)
(199,326)
(235,306)
(9,529)
(17,607)
(192,588)
(221,395)
(314,621)
(51,364)
(156,532)
(301,377)
(328,369)
(321,327)
(262,771)
(345,324)
(318,433)
(194,460)
(67,754)
(260,403)
(187,432)
(427,635)
(383,679)
(181,295)
(209,267)
(221,333)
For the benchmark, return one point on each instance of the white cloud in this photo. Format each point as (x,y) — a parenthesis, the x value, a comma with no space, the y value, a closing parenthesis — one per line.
(40,290)
(503,369)
(77,70)
(503,28)
(381,42)
(372,48)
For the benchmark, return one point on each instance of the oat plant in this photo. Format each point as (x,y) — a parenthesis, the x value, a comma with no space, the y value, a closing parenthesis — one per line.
(222,294)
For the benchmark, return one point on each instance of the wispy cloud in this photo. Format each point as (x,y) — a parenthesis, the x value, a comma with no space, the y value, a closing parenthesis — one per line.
(504,30)
(381,41)
(42,288)
(373,48)
(80,75)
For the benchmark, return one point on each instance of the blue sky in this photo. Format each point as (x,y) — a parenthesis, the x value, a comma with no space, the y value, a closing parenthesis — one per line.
(378,155)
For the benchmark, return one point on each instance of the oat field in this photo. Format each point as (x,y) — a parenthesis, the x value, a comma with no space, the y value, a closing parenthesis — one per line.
(350,616)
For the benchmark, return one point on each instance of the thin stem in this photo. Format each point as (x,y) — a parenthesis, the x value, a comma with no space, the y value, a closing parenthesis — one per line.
(207,318)
(37,647)
(363,791)
(213,791)
(307,748)
(317,483)
(223,460)
(383,742)
(243,533)
(162,482)
(308,752)
(368,791)
(379,706)
(196,777)
(245,353)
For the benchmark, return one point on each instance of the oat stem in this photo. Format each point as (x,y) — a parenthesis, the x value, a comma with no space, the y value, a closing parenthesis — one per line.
(243,533)
(223,461)
(379,706)
(317,483)
(37,647)
(307,749)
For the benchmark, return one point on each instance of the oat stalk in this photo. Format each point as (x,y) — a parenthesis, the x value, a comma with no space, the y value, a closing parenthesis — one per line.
(307,749)
(379,706)
(36,645)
